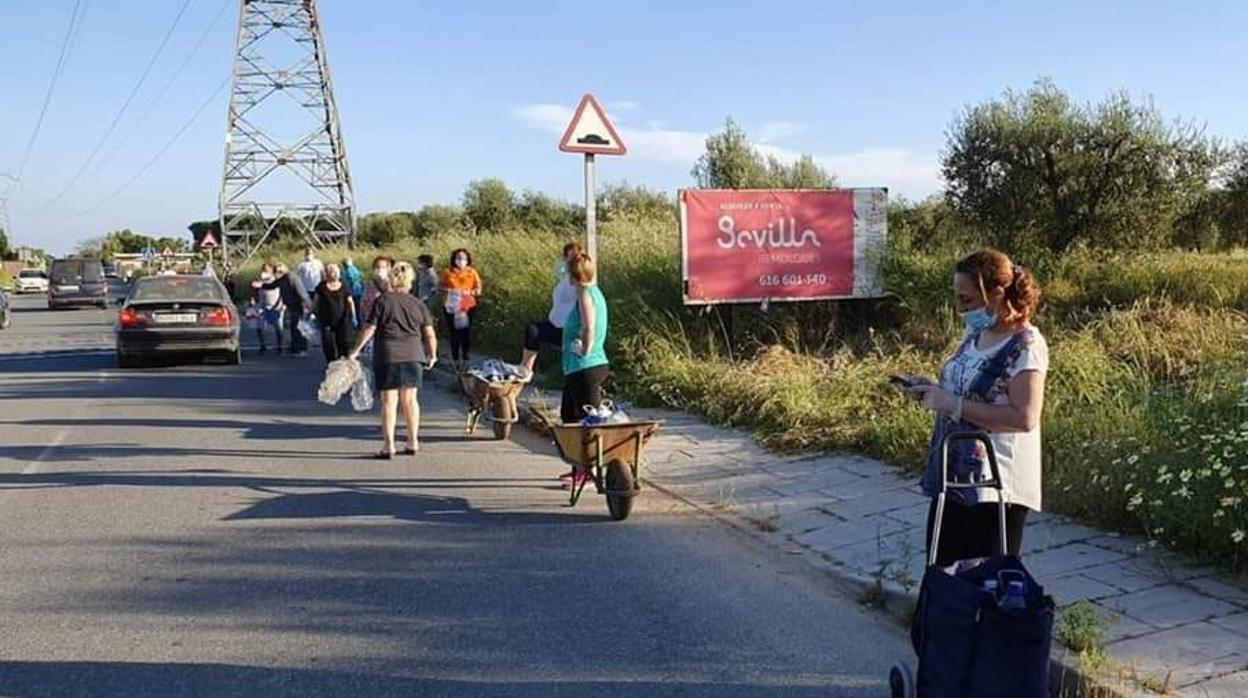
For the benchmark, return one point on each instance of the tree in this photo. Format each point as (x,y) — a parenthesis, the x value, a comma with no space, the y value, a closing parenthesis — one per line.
(1036,172)
(538,212)
(731,163)
(386,228)
(623,200)
(489,204)
(438,219)
(5,251)
(1233,199)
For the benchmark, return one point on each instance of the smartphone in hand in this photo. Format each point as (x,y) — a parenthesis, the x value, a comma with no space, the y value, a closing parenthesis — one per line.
(902,382)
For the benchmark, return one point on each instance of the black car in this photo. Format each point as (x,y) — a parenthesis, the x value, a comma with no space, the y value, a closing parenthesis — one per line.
(6,312)
(177,316)
(77,281)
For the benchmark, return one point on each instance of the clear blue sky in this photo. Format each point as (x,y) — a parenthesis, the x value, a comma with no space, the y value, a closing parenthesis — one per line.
(435,94)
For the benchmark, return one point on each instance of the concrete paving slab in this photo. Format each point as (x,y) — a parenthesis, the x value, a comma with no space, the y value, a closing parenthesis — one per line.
(1070,558)
(1169,606)
(1234,685)
(841,534)
(1055,533)
(1070,588)
(1187,654)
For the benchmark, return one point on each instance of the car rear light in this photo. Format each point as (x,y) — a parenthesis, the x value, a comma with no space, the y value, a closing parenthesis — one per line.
(131,318)
(218,317)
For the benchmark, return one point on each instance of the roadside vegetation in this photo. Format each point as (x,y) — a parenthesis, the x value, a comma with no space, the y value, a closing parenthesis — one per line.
(1137,230)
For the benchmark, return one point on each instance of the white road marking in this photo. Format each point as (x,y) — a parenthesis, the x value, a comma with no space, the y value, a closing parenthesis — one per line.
(56,441)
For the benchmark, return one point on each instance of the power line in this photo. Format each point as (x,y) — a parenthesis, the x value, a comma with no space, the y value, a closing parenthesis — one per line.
(125,106)
(159,154)
(167,86)
(71,32)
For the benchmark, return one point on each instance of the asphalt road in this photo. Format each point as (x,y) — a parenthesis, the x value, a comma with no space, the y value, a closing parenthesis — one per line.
(212,530)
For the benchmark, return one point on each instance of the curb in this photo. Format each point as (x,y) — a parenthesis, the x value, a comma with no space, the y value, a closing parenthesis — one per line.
(1066,677)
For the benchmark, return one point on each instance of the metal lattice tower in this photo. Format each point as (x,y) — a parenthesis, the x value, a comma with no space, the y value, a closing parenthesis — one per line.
(281,81)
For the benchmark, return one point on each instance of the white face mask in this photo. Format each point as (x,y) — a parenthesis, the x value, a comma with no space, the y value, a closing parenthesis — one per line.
(382,272)
(460,262)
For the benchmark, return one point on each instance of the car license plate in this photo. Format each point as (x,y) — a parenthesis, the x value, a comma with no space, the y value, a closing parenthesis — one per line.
(175,318)
(68,289)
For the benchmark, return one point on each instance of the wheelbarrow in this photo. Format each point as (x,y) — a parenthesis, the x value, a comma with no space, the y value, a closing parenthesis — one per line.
(611,455)
(498,397)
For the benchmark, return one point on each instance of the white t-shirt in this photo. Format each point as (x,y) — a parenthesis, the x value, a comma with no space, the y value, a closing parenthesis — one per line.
(311,273)
(1018,453)
(562,301)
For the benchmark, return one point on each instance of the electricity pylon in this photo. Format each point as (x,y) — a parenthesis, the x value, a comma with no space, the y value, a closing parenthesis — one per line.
(281,82)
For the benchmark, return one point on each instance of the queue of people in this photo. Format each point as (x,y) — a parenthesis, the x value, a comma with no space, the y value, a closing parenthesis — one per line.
(992,384)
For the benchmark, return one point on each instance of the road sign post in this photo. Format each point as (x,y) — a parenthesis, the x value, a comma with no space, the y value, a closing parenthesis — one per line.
(591,209)
(591,133)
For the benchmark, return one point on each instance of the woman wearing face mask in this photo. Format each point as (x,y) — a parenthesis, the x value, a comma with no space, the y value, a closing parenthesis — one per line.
(992,384)
(461,287)
(550,330)
(380,284)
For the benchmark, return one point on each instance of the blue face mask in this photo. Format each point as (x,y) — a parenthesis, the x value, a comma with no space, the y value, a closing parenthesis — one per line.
(978,320)
(561,269)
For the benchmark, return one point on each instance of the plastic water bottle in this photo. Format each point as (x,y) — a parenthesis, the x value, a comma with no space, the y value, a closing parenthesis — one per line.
(1014,598)
(990,588)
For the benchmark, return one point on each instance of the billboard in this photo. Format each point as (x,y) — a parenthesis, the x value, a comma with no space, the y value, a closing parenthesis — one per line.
(765,245)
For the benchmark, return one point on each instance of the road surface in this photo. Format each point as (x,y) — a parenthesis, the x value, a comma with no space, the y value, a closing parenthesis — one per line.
(212,530)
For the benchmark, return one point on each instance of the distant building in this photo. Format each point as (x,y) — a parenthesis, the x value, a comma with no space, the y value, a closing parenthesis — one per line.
(30,257)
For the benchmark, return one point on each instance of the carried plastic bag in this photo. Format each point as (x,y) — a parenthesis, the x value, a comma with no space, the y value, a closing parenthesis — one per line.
(253,317)
(362,392)
(460,320)
(343,376)
(311,333)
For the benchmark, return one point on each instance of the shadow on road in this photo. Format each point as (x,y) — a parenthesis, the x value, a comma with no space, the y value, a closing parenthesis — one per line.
(149,679)
(280,430)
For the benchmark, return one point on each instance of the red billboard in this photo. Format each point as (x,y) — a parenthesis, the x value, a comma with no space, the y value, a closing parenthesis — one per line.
(760,245)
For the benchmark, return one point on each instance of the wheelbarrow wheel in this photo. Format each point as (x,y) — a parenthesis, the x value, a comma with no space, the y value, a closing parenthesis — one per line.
(619,479)
(502,431)
(901,681)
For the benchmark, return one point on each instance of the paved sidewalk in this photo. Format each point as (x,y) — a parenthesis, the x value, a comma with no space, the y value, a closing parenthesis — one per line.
(1177,627)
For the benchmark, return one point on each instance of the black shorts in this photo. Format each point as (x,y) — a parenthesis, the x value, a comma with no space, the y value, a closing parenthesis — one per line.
(403,374)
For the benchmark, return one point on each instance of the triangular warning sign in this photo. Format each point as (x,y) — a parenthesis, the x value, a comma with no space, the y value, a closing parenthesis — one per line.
(167,253)
(208,242)
(591,132)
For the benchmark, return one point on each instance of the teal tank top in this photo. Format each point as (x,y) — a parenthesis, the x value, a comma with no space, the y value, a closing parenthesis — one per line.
(596,353)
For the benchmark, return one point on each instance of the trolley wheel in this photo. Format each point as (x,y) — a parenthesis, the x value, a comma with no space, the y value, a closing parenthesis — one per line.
(502,431)
(619,479)
(901,681)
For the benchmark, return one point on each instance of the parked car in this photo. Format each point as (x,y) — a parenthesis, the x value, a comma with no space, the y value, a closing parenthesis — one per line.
(31,281)
(6,312)
(77,281)
(177,317)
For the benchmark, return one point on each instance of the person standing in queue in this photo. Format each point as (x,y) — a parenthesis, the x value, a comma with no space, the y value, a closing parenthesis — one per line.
(550,330)
(993,384)
(585,365)
(426,279)
(379,284)
(269,308)
(354,280)
(461,285)
(406,346)
(295,299)
(334,310)
(311,271)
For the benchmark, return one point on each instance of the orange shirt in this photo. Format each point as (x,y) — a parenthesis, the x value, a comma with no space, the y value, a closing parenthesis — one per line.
(465,281)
